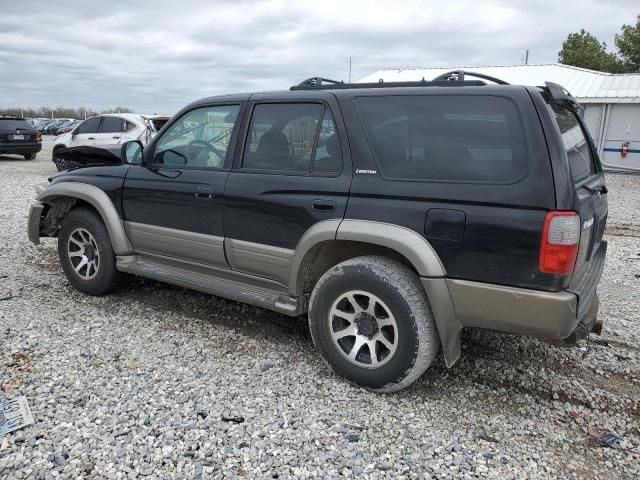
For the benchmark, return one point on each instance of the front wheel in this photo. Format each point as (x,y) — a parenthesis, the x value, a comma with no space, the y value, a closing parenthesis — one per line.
(370,319)
(86,255)
(29,156)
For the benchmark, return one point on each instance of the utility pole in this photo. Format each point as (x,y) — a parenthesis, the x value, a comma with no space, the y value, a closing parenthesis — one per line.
(349,69)
(526,57)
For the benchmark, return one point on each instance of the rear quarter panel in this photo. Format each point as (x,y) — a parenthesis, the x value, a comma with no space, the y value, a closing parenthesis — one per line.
(503,223)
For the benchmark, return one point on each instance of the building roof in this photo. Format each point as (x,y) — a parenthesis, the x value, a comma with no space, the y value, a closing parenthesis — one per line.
(588,86)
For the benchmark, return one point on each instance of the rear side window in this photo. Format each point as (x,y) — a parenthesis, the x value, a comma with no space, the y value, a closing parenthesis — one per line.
(581,164)
(89,126)
(111,125)
(292,138)
(459,138)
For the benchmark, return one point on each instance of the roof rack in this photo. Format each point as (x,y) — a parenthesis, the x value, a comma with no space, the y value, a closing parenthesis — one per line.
(455,78)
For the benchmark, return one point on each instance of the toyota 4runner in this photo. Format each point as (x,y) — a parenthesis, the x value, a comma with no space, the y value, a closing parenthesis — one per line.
(394,214)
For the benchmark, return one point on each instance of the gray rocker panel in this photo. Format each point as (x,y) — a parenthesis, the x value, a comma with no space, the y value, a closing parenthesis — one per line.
(259,259)
(196,247)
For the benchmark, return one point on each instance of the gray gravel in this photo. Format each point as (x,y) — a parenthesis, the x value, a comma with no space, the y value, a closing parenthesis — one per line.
(140,383)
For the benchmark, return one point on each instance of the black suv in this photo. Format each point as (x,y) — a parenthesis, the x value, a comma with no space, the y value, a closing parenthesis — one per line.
(394,214)
(18,137)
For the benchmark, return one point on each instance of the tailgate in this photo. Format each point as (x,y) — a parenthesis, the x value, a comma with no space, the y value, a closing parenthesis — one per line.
(587,181)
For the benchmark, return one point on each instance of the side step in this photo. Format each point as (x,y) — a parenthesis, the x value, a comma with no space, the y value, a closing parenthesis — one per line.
(222,283)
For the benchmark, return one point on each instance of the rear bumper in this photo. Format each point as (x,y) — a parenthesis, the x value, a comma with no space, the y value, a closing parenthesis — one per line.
(20,149)
(545,315)
(33,223)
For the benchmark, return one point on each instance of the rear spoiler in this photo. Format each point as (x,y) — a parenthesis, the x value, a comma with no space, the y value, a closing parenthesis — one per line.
(559,94)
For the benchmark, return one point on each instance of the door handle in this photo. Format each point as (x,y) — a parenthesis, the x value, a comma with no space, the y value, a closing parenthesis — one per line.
(324,205)
(115,138)
(91,138)
(204,193)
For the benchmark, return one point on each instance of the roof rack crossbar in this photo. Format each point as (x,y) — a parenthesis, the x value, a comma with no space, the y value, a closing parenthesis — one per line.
(382,84)
(458,76)
(316,82)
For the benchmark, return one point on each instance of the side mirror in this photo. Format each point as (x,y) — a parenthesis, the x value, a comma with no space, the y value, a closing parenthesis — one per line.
(131,152)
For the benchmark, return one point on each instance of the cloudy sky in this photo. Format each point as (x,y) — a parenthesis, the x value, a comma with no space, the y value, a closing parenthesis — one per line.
(156,56)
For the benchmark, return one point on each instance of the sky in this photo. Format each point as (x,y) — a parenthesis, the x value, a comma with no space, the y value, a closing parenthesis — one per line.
(157,56)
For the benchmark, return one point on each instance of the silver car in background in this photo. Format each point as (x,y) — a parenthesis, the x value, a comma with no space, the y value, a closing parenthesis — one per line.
(106,131)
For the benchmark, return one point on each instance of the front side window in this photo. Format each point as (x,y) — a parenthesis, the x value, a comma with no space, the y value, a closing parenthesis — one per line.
(292,138)
(575,142)
(457,138)
(89,126)
(200,138)
(111,125)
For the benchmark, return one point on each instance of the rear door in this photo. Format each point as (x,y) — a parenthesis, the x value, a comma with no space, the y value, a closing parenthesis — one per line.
(110,132)
(291,171)
(85,134)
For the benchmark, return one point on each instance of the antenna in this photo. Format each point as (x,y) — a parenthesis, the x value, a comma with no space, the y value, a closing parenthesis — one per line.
(526,57)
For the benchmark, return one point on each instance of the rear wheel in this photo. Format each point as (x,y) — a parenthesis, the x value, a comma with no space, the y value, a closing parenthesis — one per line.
(29,156)
(86,254)
(370,319)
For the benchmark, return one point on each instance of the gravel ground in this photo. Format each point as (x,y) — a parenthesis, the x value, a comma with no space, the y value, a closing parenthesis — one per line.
(139,383)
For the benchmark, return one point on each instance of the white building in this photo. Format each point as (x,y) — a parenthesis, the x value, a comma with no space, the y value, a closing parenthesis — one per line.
(611,101)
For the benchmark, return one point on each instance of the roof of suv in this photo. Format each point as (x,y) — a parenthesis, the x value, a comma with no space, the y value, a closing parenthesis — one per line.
(452,79)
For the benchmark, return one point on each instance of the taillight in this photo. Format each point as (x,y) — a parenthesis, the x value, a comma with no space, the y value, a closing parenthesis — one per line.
(38,136)
(559,243)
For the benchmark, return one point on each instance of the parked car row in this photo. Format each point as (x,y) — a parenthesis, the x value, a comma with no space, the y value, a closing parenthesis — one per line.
(104,131)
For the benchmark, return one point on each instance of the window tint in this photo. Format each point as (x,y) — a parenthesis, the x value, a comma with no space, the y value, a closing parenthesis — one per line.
(13,124)
(89,126)
(576,144)
(328,156)
(460,138)
(282,137)
(111,125)
(200,138)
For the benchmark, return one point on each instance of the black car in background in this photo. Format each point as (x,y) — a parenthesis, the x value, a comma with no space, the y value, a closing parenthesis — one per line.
(18,137)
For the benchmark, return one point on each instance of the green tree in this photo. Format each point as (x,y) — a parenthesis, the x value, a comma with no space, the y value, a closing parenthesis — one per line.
(628,43)
(584,50)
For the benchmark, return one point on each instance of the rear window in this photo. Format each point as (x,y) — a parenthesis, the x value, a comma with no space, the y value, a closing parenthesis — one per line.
(459,138)
(581,164)
(13,123)
(111,125)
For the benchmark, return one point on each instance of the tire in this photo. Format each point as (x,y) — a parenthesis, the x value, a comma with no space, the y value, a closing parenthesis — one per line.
(82,237)
(29,156)
(401,317)
(60,163)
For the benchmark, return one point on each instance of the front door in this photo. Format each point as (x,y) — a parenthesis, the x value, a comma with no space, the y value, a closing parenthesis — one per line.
(173,202)
(291,173)
(85,134)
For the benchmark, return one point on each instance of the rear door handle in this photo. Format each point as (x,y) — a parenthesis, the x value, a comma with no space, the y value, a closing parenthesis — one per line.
(324,205)
(115,138)
(91,138)
(204,193)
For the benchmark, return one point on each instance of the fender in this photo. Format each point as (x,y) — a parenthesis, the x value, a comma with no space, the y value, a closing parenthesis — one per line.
(410,244)
(100,201)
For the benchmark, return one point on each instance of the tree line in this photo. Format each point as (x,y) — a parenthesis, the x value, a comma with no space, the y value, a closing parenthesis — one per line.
(79,113)
(582,49)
